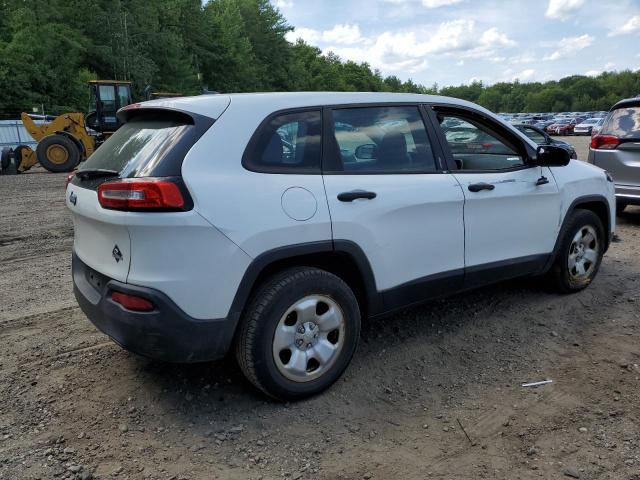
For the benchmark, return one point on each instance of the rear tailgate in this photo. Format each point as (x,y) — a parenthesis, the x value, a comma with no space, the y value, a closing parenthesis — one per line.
(101,239)
(152,143)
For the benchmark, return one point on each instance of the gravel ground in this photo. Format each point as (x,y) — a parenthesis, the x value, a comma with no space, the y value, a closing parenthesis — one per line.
(433,392)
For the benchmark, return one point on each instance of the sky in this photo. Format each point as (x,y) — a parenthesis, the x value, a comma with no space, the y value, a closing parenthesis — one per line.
(455,42)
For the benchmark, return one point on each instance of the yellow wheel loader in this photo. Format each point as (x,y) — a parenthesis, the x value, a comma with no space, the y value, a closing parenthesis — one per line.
(72,137)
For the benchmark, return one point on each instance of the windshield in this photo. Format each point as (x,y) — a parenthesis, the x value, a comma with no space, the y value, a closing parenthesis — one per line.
(137,147)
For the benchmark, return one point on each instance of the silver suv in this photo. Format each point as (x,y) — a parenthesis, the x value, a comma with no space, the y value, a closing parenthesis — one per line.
(616,148)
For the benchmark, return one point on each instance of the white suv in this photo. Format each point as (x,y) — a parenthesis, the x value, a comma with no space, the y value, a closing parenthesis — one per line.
(274,223)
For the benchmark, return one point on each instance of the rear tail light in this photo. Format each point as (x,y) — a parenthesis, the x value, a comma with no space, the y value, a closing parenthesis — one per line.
(69,178)
(132,302)
(141,194)
(605,142)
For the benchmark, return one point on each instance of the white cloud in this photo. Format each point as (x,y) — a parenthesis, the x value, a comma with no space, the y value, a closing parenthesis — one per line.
(563,9)
(397,51)
(593,73)
(439,3)
(569,46)
(343,34)
(284,4)
(340,34)
(524,75)
(309,35)
(632,25)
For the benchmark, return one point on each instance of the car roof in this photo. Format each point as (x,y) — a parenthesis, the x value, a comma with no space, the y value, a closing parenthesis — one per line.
(214,105)
(627,102)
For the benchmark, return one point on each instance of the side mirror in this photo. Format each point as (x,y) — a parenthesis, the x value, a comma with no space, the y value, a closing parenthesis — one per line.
(368,151)
(552,156)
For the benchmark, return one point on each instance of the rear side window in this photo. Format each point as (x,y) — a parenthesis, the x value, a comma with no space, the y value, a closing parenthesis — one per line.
(286,143)
(623,123)
(382,140)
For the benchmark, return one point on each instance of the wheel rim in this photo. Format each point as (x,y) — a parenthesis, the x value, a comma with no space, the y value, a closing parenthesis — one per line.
(583,253)
(57,154)
(309,338)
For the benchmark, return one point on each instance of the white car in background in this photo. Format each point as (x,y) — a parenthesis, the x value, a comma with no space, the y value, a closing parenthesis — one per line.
(272,224)
(598,126)
(586,127)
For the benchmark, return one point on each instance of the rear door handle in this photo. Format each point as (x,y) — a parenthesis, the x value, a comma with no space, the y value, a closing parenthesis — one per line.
(355,194)
(477,187)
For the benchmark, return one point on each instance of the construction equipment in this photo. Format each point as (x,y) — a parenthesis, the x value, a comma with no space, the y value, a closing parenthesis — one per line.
(70,138)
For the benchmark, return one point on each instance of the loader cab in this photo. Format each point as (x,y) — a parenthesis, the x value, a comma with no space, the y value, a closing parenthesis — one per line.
(107,97)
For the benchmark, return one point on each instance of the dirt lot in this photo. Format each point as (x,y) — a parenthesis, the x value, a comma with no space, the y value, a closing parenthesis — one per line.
(74,405)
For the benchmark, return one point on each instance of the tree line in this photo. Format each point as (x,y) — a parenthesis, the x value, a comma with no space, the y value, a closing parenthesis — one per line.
(48,51)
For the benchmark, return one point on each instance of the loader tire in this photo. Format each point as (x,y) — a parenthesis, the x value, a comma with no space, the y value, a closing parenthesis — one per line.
(58,153)
(17,155)
(5,159)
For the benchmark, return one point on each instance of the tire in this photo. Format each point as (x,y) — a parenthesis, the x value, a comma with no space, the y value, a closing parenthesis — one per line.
(17,152)
(620,207)
(58,153)
(577,246)
(296,297)
(5,158)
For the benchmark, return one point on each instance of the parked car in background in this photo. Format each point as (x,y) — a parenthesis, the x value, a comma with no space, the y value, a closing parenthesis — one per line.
(616,148)
(542,138)
(586,126)
(272,224)
(598,126)
(562,126)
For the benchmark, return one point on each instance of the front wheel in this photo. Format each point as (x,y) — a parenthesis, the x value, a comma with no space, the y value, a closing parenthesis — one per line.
(299,333)
(58,153)
(580,253)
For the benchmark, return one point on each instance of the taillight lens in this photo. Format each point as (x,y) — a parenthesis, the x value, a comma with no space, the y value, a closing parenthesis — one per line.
(605,142)
(141,194)
(132,302)
(69,178)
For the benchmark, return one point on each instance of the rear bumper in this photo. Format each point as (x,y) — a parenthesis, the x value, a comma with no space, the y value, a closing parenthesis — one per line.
(629,194)
(165,333)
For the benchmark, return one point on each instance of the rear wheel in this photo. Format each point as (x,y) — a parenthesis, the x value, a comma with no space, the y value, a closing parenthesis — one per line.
(580,254)
(299,333)
(17,152)
(58,153)
(5,159)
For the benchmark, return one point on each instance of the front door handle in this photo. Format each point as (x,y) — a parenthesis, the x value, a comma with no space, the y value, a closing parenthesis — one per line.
(355,194)
(477,187)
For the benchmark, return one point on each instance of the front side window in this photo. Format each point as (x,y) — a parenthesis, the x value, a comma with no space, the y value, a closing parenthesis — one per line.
(382,140)
(623,123)
(535,135)
(287,143)
(477,146)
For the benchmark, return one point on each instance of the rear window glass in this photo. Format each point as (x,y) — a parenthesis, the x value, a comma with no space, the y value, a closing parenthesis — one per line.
(623,123)
(138,146)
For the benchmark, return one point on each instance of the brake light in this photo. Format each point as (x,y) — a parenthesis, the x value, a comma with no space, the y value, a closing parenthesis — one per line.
(605,142)
(141,194)
(132,302)
(69,178)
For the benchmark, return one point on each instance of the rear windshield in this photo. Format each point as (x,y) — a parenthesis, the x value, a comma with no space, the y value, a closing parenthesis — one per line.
(139,146)
(623,123)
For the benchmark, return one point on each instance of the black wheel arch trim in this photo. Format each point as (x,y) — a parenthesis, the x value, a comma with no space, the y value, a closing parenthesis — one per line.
(264,260)
(582,200)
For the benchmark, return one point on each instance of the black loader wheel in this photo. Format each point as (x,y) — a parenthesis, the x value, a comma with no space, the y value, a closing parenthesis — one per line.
(58,153)
(17,154)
